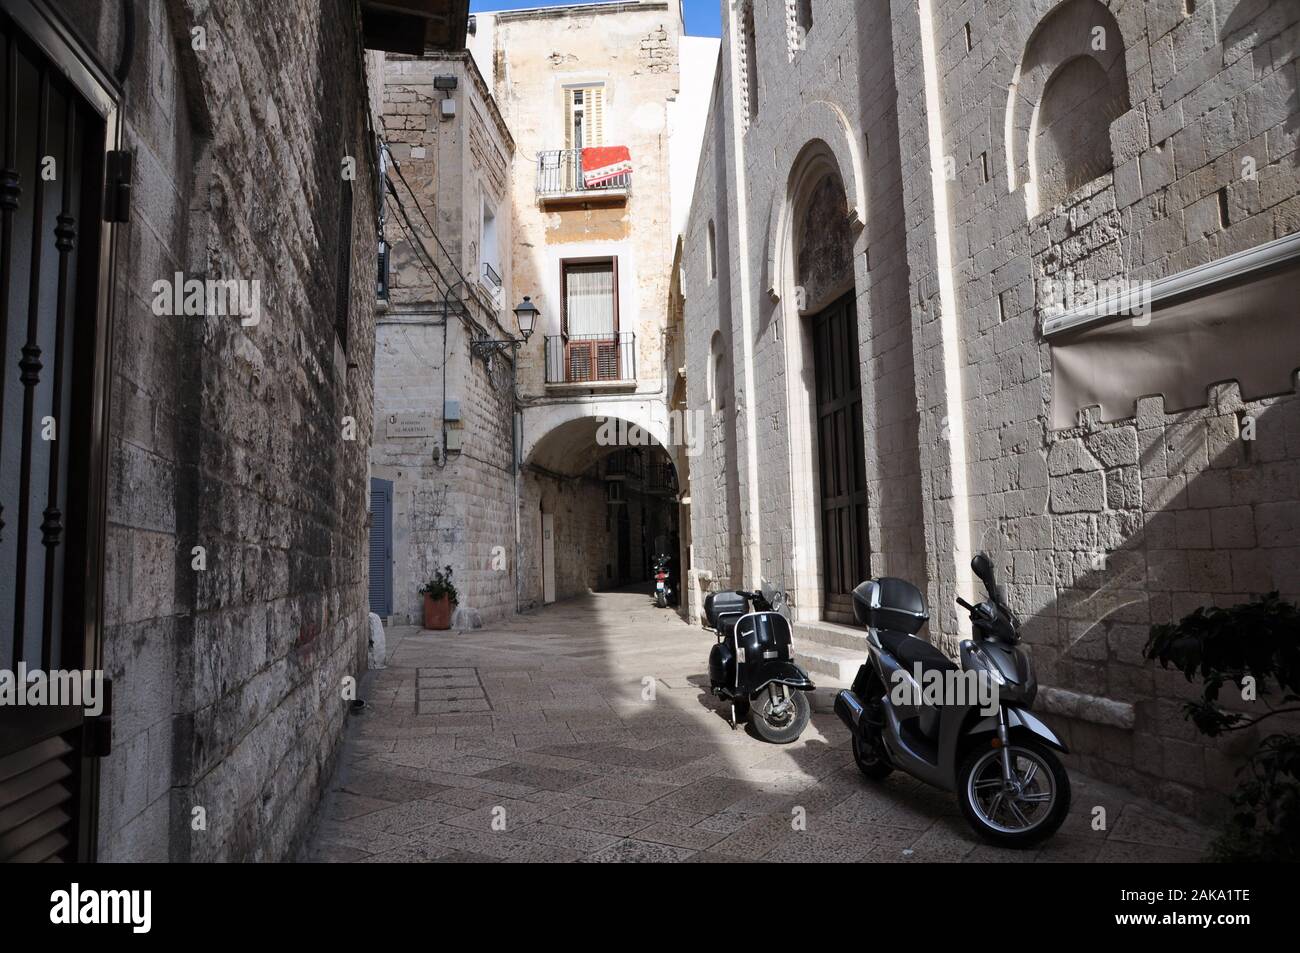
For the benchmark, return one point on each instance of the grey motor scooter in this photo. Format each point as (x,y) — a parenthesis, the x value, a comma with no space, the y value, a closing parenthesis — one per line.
(992,751)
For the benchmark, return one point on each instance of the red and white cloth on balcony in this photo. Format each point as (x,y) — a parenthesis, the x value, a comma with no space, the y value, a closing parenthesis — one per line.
(603,164)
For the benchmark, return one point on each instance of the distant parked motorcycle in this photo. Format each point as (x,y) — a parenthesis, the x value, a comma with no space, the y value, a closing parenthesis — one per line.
(1012,787)
(664,581)
(752,667)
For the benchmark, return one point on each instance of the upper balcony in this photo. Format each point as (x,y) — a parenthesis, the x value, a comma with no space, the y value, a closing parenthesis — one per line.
(575,176)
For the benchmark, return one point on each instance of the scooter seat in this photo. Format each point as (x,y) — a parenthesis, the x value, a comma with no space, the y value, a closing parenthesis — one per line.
(912,651)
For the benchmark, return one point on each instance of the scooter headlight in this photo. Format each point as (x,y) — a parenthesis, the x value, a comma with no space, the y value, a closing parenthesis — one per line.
(989,668)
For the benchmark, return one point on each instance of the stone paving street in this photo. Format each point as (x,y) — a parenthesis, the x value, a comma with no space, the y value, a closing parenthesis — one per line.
(538,725)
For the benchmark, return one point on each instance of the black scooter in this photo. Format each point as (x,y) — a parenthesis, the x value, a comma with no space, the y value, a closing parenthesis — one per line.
(998,757)
(752,666)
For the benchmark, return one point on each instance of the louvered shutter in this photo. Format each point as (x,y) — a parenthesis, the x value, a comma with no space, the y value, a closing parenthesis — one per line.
(381,547)
(568,121)
(594,124)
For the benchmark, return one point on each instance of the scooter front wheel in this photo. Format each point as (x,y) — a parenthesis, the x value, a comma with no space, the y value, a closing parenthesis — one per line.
(778,718)
(1020,811)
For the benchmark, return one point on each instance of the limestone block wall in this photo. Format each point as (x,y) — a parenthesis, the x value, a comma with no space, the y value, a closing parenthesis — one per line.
(1106,529)
(227,680)
(962,220)
(583,539)
(455,509)
(710,390)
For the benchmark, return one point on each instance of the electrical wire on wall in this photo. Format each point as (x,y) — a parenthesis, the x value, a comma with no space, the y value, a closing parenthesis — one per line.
(476,331)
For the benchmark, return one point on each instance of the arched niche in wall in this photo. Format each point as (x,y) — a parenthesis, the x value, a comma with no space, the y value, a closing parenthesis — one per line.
(823,242)
(1071,84)
(818,140)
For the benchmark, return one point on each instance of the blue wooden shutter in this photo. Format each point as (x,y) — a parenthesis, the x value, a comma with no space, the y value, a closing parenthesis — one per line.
(381,547)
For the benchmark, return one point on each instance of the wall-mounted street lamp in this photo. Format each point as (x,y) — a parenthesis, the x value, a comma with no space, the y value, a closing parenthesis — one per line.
(526,313)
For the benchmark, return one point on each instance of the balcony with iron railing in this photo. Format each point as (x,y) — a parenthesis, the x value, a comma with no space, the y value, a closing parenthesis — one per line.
(661,479)
(591,360)
(561,179)
(625,464)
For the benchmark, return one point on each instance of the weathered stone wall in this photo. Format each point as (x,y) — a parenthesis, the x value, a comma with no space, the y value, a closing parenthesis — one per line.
(710,389)
(1104,530)
(227,681)
(454,508)
(1101,530)
(583,541)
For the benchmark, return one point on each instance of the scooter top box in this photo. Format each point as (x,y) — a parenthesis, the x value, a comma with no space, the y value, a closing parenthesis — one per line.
(719,604)
(889,603)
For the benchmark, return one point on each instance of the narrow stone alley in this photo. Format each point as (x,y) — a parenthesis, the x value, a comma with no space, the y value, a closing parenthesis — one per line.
(585,732)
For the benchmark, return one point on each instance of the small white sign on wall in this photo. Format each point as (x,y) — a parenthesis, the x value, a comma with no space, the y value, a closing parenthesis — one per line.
(412,425)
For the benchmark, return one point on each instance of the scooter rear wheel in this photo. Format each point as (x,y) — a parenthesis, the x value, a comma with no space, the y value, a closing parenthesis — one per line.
(1029,814)
(777,723)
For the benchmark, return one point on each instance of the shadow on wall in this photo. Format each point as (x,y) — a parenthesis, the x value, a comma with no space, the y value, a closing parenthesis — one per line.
(1198,516)
(1241,29)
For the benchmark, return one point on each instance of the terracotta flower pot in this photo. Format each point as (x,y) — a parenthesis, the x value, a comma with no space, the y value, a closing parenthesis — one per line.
(437,612)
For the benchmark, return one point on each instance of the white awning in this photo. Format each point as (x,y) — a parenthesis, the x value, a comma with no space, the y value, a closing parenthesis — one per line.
(1236,319)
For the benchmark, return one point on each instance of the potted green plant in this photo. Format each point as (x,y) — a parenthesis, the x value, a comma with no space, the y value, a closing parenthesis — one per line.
(439,598)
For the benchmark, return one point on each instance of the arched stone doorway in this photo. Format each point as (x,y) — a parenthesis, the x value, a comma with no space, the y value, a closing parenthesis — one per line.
(599,500)
(827,451)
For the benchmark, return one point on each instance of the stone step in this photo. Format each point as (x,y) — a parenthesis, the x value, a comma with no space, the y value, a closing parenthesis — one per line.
(831,634)
(829,661)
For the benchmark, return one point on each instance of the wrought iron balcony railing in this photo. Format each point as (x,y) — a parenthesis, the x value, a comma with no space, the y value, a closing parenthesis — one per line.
(623,465)
(590,358)
(559,175)
(661,478)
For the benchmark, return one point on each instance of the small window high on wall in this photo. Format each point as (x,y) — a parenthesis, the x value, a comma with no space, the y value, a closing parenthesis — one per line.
(749,62)
(803,14)
(711,241)
(799,20)
(584,116)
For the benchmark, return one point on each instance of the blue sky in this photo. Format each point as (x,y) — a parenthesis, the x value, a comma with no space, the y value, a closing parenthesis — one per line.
(703,17)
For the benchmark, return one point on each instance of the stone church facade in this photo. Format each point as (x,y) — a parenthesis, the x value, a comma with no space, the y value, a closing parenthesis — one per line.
(1009,277)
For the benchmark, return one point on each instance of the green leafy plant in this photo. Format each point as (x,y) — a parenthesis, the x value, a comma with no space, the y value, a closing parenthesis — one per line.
(1254,646)
(440,585)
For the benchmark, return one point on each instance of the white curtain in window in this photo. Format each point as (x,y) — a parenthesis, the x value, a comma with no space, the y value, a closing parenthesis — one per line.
(590,299)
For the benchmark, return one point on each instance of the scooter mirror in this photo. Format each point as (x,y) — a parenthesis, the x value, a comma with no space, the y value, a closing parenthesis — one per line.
(982,567)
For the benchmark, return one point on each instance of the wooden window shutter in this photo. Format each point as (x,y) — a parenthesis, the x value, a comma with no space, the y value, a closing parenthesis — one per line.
(568,121)
(595,117)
